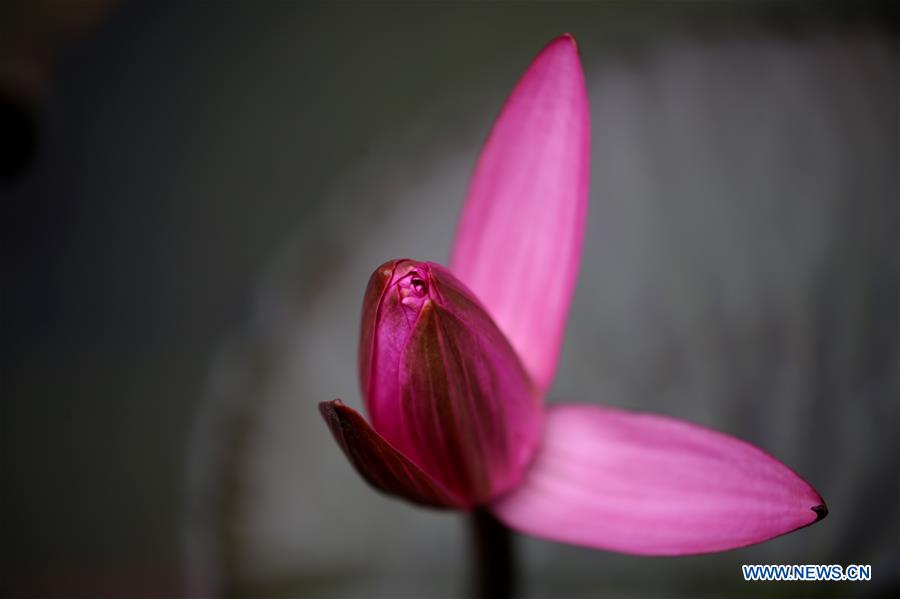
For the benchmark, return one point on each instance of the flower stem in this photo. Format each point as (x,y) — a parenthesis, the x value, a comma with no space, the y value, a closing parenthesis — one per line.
(493,575)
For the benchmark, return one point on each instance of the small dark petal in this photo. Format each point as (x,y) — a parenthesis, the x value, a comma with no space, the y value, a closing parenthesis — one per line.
(380,463)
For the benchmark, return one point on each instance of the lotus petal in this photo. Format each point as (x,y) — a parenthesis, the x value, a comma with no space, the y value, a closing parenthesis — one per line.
(648,484)
(519,239)
(381,464)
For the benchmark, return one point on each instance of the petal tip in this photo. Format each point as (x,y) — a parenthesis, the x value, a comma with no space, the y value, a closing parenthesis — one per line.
(561,45)
(571,38)
(821,511)
(328,407)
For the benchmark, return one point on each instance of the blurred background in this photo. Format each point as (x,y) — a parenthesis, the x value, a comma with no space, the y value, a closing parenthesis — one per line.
(193,197)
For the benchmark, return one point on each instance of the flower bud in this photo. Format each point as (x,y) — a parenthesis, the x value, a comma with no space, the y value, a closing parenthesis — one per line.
(441,382)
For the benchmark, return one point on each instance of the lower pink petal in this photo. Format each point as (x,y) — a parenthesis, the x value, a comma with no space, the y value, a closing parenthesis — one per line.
(647,484)
(379,463)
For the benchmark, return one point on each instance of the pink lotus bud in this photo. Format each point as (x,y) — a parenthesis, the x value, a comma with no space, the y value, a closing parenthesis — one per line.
(441,382)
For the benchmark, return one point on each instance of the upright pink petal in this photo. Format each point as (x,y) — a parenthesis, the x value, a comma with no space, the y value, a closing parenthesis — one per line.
(519,239)
(380,463)
(648,484)
(442,384)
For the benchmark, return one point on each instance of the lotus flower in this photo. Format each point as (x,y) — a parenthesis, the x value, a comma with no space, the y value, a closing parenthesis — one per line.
(454,365)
